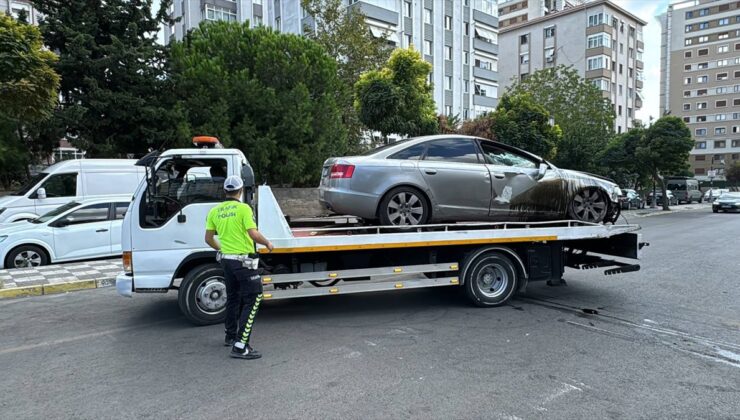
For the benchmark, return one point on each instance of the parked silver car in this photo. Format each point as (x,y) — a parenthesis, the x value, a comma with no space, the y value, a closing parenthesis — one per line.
(461,178)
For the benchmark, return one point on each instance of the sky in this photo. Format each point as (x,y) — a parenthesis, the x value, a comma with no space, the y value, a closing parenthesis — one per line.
(648,10)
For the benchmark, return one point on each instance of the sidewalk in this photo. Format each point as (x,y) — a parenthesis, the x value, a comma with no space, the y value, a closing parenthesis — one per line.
(647,211)
(58,278)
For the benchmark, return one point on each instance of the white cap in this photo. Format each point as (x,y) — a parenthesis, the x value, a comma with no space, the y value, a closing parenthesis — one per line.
(233,183)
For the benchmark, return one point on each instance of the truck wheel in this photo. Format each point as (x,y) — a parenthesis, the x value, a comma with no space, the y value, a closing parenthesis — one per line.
(490,279)
(202,295)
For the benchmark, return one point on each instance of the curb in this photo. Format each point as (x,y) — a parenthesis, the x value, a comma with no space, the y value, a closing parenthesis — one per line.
(55,288)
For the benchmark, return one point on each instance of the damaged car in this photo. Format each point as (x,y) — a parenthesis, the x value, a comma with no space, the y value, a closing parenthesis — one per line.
(452,178)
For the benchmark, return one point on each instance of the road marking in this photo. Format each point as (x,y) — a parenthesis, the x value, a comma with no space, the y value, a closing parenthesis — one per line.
(79,337)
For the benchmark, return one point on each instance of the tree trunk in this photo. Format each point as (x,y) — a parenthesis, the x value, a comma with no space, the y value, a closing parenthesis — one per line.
(665,194)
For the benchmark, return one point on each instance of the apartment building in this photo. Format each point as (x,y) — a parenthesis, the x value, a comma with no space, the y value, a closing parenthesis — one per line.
(602,41)
(700,79)
(459,38)
(514,12)
(14,8)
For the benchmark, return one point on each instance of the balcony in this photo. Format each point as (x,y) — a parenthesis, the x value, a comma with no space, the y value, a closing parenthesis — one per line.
(638,103)
(591,30)
(638,84)
(485,101)
(640,46)
(639,64)
(486,74)
(488,47)
(598,74)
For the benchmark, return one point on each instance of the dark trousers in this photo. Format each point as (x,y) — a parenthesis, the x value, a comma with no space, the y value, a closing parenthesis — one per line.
(243,298)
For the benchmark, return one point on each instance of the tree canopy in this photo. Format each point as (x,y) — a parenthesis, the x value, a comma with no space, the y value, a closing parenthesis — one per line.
(398,99)
(664,149)
(269,94)
(619,160)
(344,35)
(585,117)
(112,71)
(523,123)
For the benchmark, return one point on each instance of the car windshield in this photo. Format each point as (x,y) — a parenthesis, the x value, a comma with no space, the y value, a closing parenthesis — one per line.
(56,212)
(730,195)
(385,147)
(30,184)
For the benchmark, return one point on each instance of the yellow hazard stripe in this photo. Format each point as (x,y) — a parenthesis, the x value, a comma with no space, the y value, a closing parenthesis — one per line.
(409,244)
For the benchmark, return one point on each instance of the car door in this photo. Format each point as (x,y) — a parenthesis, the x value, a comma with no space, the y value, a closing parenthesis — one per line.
(60,189)
(119,212)
(458,180)
(518,190)
(83,233)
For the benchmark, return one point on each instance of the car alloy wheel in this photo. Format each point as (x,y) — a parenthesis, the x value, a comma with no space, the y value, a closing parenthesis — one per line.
(27,258)
(405,208)
(589,205)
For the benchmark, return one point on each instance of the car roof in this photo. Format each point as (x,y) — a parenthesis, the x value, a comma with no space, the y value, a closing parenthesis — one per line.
(412,141)
(105,199)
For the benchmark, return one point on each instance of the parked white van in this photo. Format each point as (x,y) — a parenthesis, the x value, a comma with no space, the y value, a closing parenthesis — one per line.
(70,180)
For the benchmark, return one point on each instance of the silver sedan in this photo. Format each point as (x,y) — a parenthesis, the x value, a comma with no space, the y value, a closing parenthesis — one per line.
(460,178)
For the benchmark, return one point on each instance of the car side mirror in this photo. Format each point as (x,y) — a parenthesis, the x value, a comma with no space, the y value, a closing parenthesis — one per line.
(63,222)
(542,170)
(41,193)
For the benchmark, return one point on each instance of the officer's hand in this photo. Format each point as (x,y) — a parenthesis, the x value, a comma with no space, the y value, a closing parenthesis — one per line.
(270,247)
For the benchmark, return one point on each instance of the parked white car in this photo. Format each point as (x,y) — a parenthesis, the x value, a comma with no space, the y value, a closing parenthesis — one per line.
(715,193)
(71,180)
(75,231)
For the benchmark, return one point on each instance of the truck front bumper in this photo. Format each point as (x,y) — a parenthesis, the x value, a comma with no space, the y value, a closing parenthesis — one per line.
(125,285)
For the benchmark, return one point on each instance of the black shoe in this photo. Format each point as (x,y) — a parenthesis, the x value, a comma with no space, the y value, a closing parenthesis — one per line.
(246,353)
(229,342)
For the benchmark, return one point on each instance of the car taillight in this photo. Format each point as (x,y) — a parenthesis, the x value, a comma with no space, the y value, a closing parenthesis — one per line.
(341,171)
(128,266)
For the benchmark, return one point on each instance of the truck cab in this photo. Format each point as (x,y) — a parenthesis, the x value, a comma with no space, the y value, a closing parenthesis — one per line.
(165,221)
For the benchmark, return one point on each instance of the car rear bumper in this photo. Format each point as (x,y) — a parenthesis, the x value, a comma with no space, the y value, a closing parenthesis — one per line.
(353,203)
(125,285)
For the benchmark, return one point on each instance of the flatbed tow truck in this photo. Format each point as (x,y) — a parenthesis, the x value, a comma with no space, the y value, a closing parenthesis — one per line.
(164,248)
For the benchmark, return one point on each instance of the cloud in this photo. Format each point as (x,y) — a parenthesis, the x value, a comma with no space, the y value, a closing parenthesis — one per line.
(647,10)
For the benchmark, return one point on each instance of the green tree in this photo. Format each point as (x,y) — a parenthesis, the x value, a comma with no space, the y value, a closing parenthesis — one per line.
(113,91)
(267,93)
(397,99)
(732,174)
(28,94)
(620,162)
(521,122)
(664,150)
(585,117)
(343,33)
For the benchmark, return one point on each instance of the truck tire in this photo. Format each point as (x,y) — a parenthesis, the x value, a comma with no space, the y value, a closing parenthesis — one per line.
(490,278)
(202,295)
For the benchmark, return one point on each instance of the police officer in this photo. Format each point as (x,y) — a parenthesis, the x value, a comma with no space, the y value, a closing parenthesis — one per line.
(233,222)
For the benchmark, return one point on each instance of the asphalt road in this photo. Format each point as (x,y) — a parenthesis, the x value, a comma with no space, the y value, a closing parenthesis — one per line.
(664,344)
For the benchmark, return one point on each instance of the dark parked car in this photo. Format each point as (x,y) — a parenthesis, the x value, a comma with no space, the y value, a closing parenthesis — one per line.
(630,199)
(461,178)
(672,200)
(729,201)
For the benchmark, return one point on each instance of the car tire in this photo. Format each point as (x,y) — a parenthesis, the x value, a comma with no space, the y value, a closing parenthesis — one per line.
(490,279)
(32,255)
(202,295)
(715,210)
(582,207)
(404,204)
(629,206)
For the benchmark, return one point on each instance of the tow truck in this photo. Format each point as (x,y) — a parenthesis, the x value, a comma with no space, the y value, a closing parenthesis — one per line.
(164,249)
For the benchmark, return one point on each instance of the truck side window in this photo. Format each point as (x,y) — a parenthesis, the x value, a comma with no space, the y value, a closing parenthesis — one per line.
(179,183)
(61,185)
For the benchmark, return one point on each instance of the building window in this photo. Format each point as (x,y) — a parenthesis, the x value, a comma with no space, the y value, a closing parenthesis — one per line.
(687,119)
(688,28)
(550,32)
(489,91)
(723,35)
(485,35)
(448,110)
(723,49)
(736,143)
(428,16)
(703,51)
(687,67)
(719,144)
(702,66)
(689,15)
(720,90)
(722,76)
(737,74)
(688,41)
(427,47)
(598,19)
(466,86)
(702,79)
(407,9)
(703,25)
(448,82)
(409,40)
(699,157)
(467,28)
(735,130)
(599,40)
(687,54)
(701,132)
(722,63)
(720,117)
(602,84)
(686,93)
(703,12)
(598,62)
(524,58)
(448,23)
(701,105)
(686,80)
(523,39)
(448,52)
(701,118)
(488,7)
(219,13)
(466,57)
(550,55)
(687,107)
(736,102)
(701,92)
(465,114)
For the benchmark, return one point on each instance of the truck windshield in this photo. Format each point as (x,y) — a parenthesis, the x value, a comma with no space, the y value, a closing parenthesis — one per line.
(28,186)
(676,187)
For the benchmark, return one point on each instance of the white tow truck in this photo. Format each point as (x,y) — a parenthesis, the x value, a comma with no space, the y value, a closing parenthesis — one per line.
(164,249)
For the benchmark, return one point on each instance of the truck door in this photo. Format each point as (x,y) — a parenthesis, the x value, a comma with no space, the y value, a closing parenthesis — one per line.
(169,217)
